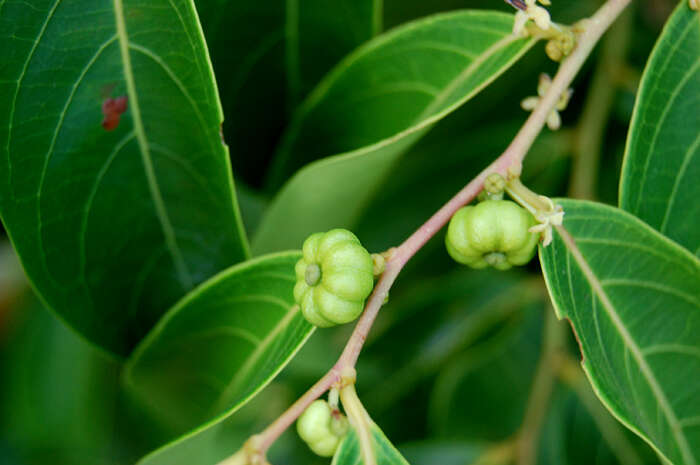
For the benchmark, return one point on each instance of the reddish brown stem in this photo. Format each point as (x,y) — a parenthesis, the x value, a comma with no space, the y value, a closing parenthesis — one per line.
(509,162)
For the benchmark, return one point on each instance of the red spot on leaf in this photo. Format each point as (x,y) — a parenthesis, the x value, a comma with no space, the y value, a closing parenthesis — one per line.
(112,108)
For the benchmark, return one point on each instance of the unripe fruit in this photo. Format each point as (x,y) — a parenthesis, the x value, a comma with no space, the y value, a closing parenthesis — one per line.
(493,232)
(334,277)
(321,429)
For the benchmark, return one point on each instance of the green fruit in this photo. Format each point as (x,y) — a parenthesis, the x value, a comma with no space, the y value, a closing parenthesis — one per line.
(334,277)
(493,232)
(320,429)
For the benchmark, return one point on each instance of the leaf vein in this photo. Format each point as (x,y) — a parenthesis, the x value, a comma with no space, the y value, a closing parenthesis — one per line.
(652,285)
(54,138)
(181,87)
(632,346)
(664,114)
(91,197)
(23,73)
(692,150)
(253,358)
(672,348)
(629,245)
(161,212)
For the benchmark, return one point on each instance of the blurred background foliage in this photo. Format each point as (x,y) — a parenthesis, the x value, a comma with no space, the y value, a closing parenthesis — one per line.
(450,366)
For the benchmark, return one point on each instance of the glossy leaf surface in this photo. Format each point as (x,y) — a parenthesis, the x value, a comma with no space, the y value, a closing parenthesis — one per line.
(221,344)
(373,106)
(113,226)
(632,297)
(659,182)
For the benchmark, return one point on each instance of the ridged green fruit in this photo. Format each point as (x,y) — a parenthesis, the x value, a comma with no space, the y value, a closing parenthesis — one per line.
(491,233)
(334,278)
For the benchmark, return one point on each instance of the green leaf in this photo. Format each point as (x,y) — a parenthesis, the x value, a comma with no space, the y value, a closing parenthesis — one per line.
(220,345)
(349,453)
(371,108)
(632,298)
(268,55)
(112,227)
(661,169)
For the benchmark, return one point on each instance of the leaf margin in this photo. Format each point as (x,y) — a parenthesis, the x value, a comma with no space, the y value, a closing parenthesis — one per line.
(327,81)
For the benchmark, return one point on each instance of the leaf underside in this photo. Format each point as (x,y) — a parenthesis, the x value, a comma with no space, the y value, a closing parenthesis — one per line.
(631,295)
(349,453)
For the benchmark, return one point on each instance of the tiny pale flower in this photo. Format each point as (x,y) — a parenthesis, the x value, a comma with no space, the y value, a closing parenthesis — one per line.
(553,216)
(529,103)
(553,119)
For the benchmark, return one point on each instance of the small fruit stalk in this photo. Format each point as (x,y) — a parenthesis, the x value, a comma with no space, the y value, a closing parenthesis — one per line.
(322,428)
(334,278)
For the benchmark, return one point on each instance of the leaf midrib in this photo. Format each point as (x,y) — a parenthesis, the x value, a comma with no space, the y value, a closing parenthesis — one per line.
(161,212)
(631,345)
